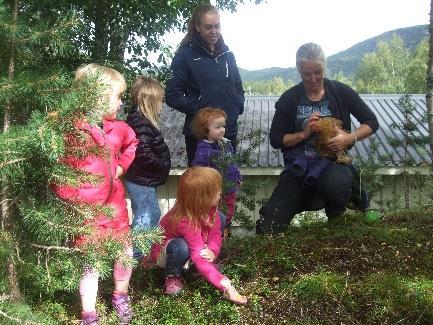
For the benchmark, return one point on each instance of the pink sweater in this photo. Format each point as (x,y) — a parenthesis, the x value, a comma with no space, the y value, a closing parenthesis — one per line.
(197,239)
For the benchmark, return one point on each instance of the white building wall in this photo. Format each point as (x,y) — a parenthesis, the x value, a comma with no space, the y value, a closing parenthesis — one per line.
(392,194)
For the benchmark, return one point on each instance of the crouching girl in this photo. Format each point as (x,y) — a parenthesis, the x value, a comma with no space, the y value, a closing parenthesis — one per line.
(193,230)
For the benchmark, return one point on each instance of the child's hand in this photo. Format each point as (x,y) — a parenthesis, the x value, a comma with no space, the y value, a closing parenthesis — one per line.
(119,171)
(231,294)
(208,255)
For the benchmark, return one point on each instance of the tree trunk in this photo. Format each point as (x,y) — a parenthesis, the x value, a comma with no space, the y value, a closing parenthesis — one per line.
(7,215)
(429,93)
(118,46)
(100,43)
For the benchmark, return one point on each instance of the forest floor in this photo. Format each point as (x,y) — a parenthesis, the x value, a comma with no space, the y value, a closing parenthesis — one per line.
(352,271)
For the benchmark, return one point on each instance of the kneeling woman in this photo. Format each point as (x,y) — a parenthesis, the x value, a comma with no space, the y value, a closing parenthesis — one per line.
(292,130)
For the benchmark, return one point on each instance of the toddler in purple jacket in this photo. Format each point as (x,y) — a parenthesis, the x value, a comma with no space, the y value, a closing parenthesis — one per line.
(215,151)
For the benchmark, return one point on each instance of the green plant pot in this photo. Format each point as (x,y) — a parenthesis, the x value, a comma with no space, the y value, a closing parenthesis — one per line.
(372,215)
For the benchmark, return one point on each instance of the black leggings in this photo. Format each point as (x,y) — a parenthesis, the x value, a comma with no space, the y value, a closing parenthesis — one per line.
(290,196)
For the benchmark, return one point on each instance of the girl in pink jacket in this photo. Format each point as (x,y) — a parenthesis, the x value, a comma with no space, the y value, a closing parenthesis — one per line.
(193,230)
(106,151)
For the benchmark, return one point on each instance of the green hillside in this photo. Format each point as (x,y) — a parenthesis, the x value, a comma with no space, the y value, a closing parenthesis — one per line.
(269,73)
(348,60)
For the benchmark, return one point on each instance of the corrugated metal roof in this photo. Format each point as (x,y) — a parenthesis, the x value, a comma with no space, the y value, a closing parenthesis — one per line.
(259,111)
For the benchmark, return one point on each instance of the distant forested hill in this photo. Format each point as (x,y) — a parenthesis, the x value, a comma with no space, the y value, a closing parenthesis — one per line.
(348,60)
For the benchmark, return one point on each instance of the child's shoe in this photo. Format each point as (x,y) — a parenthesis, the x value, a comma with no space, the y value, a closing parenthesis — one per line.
(89,318)
(120,302)
(173,285)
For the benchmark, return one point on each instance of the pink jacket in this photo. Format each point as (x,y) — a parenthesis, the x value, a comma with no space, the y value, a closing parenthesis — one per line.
(115,144)
(197,239)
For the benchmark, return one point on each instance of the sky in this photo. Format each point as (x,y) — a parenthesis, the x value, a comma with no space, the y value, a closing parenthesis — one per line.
(268,34)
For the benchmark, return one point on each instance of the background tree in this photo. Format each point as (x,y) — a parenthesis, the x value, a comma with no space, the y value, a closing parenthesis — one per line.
(392,68)
(415,82)
(408,138)
(339,76)
(114,28)
(429,93)
(384,71)
(274,87)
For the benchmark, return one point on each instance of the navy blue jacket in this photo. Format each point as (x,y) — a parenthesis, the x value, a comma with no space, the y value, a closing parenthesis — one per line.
(151,164)
(203,79)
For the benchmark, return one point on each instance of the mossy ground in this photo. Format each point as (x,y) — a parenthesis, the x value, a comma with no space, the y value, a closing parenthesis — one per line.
(349,272)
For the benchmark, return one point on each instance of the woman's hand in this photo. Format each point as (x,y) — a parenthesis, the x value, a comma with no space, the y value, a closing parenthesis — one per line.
(310,125)
(208,255)
(341,141)
(231,294)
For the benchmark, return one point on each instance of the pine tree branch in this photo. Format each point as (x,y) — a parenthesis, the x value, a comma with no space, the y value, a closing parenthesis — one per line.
(60,248)
(5,201)
(13,86)
(18,320)
(53,224)
(11,162)
(5,297)
(53,32)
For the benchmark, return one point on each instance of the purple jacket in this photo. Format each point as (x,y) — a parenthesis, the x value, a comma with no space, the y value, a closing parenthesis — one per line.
(306,167)
(219,155)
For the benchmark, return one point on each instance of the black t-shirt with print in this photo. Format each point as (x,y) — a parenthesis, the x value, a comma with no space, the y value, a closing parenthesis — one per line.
(306,107)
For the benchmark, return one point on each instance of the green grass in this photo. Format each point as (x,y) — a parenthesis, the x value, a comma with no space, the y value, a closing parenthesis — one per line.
(351,271)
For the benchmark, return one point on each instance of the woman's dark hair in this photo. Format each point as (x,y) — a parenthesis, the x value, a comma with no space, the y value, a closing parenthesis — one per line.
(195,19)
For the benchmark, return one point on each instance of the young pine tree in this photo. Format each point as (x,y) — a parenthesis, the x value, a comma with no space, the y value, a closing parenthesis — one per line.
(409,138)
(38,106)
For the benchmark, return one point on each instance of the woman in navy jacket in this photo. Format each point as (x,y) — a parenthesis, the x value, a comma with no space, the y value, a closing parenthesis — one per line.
(204,73)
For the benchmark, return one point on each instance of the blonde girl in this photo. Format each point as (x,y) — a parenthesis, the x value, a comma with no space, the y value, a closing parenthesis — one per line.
(117,144)
(151,165)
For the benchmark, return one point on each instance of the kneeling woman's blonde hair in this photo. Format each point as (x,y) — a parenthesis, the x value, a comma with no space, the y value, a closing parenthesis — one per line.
(198,187)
